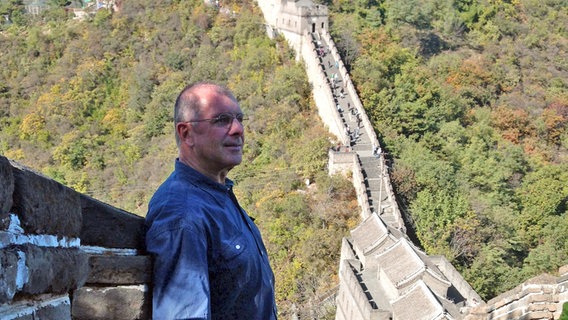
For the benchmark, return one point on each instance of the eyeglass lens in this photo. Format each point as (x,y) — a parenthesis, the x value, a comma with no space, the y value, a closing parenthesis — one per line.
(226,119)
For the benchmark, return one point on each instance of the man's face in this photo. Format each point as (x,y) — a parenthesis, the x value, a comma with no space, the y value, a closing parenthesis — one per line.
(217,147)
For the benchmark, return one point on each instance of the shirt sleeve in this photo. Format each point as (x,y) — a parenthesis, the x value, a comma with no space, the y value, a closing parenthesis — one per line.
(181,281)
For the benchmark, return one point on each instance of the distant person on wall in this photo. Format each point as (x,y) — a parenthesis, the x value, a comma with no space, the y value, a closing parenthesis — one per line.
(210,261)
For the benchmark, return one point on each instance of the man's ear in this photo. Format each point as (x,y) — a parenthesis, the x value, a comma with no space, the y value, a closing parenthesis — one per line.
(185,132)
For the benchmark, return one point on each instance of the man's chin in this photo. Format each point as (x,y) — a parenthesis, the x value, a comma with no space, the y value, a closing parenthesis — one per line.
(234,161)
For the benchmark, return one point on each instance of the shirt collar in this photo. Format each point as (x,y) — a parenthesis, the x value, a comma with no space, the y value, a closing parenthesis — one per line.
(199,178)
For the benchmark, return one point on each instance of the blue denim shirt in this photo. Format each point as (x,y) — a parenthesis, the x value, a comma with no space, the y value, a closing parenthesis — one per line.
(210,261)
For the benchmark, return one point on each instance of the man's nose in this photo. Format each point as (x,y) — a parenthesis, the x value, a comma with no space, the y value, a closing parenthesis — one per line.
(236,127)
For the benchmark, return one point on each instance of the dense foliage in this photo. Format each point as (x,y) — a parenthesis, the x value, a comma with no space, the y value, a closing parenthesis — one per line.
(90,104)
(470,98)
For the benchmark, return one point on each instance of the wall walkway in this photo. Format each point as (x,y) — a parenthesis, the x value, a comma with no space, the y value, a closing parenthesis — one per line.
(369,169)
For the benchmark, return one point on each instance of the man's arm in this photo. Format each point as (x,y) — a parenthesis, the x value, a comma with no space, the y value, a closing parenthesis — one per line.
(181,282)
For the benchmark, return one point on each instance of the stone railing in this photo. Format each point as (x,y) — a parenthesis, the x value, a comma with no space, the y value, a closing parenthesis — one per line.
(541,297)
(346,161)
(363,307)
(64,255)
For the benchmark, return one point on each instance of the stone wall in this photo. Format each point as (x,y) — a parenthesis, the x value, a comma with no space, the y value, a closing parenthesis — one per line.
(352,301)
(323,97)
(541,297)
(64,255)
(342,160)
(321,89)
(455,278)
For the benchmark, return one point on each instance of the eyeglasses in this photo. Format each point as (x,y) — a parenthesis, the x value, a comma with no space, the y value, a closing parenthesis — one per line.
(224,120)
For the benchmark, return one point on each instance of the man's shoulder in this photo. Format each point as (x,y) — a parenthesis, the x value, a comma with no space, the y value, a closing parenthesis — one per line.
(178,199)
(177,185)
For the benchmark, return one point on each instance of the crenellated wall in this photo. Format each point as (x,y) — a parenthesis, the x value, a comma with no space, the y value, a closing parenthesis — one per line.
(365,288)
(64,255)
(540,297)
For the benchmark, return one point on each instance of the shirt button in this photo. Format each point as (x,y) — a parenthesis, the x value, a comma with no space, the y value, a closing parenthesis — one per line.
(238,246)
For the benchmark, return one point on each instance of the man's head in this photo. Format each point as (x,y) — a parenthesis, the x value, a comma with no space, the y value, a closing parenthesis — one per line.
(208,127)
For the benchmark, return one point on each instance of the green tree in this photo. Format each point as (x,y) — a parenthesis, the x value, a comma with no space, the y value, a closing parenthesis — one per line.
(437,215)
(14,12)
(543,196)
(564,314)
(490,273)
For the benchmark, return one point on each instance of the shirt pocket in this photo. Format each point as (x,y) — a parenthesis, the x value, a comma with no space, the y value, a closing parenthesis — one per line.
(234,252)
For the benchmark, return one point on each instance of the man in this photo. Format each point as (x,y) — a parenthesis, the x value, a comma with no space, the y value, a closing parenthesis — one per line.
(210,261)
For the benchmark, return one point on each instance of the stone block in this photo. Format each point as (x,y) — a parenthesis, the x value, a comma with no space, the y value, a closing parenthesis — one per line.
(120,270)
(532,289)
(9,275)
(54,270)
(538,315)
(539,298)
(119,303)
(61,311)
(6,191)
(45,206)
(547,306)
(23,317)
(110,227)
(46,307)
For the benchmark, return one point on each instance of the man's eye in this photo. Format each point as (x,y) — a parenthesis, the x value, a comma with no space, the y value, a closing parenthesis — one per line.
(224,119)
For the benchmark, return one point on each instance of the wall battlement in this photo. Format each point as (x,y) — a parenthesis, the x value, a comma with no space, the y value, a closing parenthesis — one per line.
(368,275)
(64,255)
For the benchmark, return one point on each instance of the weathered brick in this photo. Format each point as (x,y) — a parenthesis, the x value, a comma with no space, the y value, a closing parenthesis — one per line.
(120,269)
(45,206)
(23,317)
(54,270)
(40,307)
(547,306)
(516,313)
(9,274)
(538,315)
(101,219)
(539,298)
(59,311)
(121,303)
(6,191)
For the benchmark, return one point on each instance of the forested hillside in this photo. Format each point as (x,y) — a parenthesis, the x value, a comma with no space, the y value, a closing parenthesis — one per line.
(90,104)
(470,98)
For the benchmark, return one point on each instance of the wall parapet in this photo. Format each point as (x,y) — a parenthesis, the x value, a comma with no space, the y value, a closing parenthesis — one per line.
(64,255)
(540,297)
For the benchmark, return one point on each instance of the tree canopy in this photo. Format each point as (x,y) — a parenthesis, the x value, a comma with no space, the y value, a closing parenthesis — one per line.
(90,104)
(470,99)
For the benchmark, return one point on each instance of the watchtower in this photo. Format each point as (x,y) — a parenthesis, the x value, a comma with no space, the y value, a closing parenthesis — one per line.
(294,19)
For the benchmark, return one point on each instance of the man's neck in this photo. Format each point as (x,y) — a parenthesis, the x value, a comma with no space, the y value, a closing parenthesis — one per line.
(215,175)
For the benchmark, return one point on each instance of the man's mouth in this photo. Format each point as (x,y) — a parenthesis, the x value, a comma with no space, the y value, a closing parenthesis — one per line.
(233,145)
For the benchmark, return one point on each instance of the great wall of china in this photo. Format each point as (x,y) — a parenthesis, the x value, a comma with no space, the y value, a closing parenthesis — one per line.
(82,270)
(382,274)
